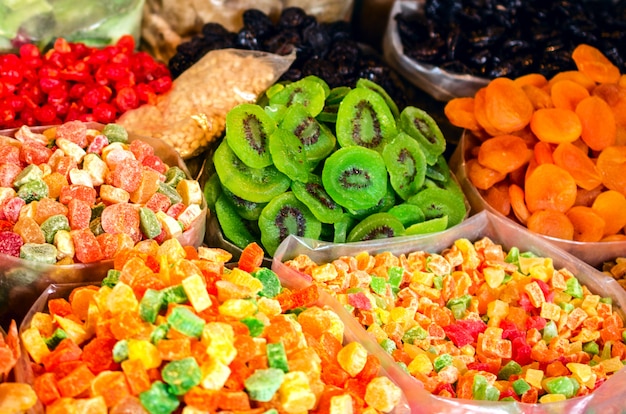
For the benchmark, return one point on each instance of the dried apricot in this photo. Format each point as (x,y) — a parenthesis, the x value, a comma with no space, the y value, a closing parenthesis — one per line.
(482,177)
(506,105)
(550,187)
(592,62)
(551,223)
(481,114)
(539,97)
(518,205)
(615,96)
(588,225)
(531,79)
(611,206)
(598,123)
(556,125)
(586,197)
(504,153)
(460,113)
(543,153)
(573,75)
(497,196)
(611,164)
(567,94)
(573,160)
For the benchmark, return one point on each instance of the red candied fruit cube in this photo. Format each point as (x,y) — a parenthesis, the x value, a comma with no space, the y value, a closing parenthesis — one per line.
(97,144)
(87,249)
(108,244)
(509,330)
(10,243)
(8,173)
(458,335)
(158,202)
(64,165)
(78,214)
(33,152)
(81,192)
(548,293)
(127,175)
(12,207)
(359,301)
(9,154)
(67,350)
(176,209)
(140,149)
(98,355)
(536,322)
(74,131)
(155,162)
(521,351)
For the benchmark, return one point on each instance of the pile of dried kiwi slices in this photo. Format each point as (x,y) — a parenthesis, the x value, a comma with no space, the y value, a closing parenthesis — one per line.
(340,165)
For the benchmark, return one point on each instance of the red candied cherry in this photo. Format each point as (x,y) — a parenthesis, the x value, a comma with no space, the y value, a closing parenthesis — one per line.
(58,95)
(32,92)
(31,55)
(105,113)
(78,72)
(87,118)
(116,72)
(95,95)
(126,99)
(45,114)
(16,103)
(145,93)
(49,84)
(27,117)
(61,108)
(7,114)
(77,91)
(161,85)
(75,111)
(97,58)
(126,43)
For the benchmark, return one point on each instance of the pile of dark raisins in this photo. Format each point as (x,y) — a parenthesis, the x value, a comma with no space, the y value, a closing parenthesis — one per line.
(492,38)
(328,50)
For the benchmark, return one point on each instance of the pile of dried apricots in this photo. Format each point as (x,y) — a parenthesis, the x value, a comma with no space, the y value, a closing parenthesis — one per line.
(552,152)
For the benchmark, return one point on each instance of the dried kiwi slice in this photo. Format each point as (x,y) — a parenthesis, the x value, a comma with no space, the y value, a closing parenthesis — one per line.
(342,228)
(364,119)
(368,84)
(248,128)
(406,164)
(421,126)
(212,190)
(433,225)
(254,184)
(439,171)
(318,139)
(308,92)
(336,95)
(285,215)
(385,203)
(437,202)
(376,226)
(234,227)
(276,112)
(408,214)
(248,210)
(312,193)
(289,155)
(355,177)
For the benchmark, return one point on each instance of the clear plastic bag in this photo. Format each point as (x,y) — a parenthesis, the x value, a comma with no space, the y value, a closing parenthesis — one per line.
(193,113)
(93,22)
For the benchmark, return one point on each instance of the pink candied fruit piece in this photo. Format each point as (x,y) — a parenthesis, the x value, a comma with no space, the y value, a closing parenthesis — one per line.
(97,144)
(127,175)
(33,152)
(141,149)
(474,327)
(81,192)
(458,335)
(120,218)
(75,131)
(86,247)
(536,322)
(548,293)
(161,237)
(509,330)
(8,173)
(79,214)
(175,209)
(158,202)
(108,244)
(359,300)
(10,243)
(154,162)
(12,208)
(521,351)
(9,154)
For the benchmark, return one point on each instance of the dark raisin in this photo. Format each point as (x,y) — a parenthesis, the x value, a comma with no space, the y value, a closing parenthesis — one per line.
(258,22)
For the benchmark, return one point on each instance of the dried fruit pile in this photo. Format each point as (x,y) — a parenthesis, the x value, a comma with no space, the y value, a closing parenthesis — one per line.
(72,81)
(77,195)
(552,152)
(494,38)
(171,327)
(14,397)
(339,164)
(477,322)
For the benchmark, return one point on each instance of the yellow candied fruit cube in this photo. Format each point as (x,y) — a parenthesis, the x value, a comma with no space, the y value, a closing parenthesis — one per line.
(543,272)
(195,289)
(92,405)
(97,169)
(420,364)
(214,254)
(590,303)
(190,191)
(122,298)
(493,276)
(377,332)
(214,374)
(497,310)
(93,317)
(172,250)
(238,308)
(80,177)
(574,347)
(352,358)
(75,331)
(34,344)
(401,315)
(340,404)
(243,278)
(548,398)
(534,377)
(581,372)
(219,339)
(324,273)
(295,393)
(558,282)
(550,311)
(269,307)
(586,335)
(189,215)
(422,278)
(575,318)
(144,351)
(169,224)
(535,294)
(113,195)
(101,297)
(382,394)
(43,322)
(612,365)
(64,244)
(71,149)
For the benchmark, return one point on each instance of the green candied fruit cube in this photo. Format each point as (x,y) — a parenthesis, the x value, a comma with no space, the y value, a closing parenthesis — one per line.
(28,174)
(520,386)
(36,252)
(560,385)
(511,368)
(181,375)
(269,280)
(566,306)
(170,192)
(573,288)
(55,339)
(115,133)
(255,326)
(175,294)
(388,345)
(149,223)
(442,361)
(592,347)
(112,277)
(512,256)
(550,331)
(483,391)
(160,332)
(174,175)
(120,351)
(52,225)
(33,190)
(276,356)
(151,304)
(438,282)
(607,300)
(417,333)
(158,400)
(186,322)
(263,384)
(378,285)
(394,275)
